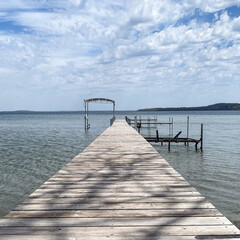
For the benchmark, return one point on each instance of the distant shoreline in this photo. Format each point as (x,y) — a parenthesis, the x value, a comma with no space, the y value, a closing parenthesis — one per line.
(63,112)
(213,107)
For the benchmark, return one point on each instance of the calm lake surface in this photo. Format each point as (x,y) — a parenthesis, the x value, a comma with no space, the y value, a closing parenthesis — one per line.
(34,146)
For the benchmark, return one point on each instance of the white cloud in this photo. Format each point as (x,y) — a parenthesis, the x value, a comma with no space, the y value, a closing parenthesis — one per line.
(117,46)
(209,5)
(236,24)
(17,4)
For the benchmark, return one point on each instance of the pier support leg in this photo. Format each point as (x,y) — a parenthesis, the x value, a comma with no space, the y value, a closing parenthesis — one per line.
(139,127)
(187,130)
(169,133)
(196,146)
(201,142)
(114,109)
(169,147)
(135,122)
(157,136)
(85,120)
(86,116)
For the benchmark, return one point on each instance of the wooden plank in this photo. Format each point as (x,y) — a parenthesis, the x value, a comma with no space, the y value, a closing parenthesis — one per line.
(120,172)
(117,213)
(110,181)
(88,184)
(69,236)
(102,205)
(127,168)
(117,177)
(113,194)
(121,222)
(110,189)
(140,231)
(116,199)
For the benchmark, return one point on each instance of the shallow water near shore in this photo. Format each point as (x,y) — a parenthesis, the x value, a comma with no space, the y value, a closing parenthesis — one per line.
(35,146)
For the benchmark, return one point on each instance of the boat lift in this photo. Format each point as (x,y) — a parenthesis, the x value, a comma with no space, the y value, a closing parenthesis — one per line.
(99,100)
(152,123)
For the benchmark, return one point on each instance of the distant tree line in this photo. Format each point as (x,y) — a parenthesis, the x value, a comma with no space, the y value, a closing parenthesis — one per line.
(213,107)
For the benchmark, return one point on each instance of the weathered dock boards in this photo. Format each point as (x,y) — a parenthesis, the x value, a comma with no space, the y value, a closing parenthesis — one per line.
(119,187)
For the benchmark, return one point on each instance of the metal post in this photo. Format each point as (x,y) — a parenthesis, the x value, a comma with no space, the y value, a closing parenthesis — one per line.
(149,129)
(87,126)
(139,126)
(187,130)
(113,109)
(157,136)
(169,132)
(135,122)
(201,143)
(85,115)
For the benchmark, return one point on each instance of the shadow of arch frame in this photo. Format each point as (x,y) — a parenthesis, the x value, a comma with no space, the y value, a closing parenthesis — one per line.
(99,100)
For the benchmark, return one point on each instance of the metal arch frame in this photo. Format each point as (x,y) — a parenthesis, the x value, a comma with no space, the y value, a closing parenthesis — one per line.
(99,99)
(87,101)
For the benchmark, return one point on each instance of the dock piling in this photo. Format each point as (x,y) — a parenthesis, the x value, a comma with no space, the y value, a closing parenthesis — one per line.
(187,129)
(135,122)
(157,136)
(201,142)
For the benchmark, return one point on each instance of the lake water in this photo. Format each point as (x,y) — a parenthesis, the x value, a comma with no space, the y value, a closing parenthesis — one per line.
(33,147)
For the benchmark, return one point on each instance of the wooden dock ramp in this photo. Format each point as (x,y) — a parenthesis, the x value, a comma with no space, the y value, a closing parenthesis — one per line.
(119,187)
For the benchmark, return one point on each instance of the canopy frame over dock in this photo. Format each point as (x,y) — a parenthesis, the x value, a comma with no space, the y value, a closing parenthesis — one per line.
(98,100)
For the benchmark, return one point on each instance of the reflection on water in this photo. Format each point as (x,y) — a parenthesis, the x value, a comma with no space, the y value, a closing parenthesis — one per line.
(33,147)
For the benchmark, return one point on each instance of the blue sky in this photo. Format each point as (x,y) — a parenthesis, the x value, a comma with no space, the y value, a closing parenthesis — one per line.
(147,53)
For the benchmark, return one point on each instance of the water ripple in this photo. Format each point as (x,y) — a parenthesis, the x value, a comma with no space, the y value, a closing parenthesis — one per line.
(33,147)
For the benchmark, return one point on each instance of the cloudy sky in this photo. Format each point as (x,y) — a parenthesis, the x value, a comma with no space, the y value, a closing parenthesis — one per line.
(141,53)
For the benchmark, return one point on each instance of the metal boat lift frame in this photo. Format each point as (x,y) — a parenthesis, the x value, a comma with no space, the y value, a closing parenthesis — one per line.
(101,100)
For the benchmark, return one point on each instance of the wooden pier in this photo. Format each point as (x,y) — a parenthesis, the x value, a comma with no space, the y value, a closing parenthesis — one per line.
(119,187)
